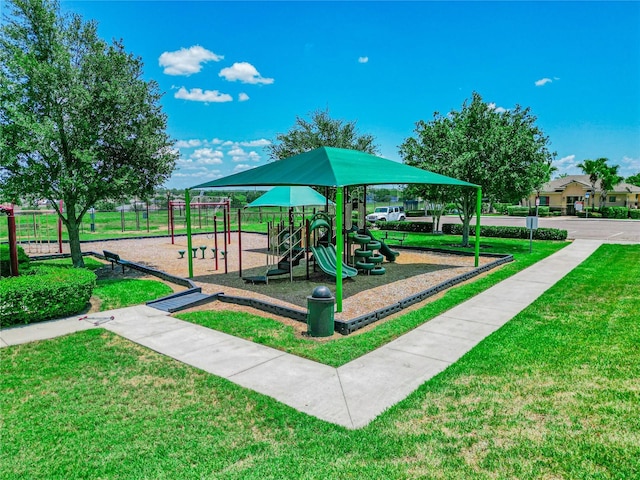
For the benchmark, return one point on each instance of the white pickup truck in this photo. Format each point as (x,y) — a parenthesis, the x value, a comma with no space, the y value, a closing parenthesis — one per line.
(387,214)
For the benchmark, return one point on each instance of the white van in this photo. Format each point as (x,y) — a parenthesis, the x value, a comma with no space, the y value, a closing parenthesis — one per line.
(387,214)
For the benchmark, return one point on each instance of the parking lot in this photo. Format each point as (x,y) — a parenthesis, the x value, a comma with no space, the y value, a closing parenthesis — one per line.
(584,228)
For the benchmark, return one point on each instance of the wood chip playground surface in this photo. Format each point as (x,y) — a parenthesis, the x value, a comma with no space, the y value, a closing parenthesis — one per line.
(411,273)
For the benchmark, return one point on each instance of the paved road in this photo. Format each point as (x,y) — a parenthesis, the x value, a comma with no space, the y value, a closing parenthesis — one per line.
(578,228)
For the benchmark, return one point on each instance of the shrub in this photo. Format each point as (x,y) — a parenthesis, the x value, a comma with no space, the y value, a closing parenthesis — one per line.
(416,227)
(501,208)
(635,214)
(615,212)
(23,259)
(485,231)
(415,213)
(543,211)
(517,211)
(509,232)
(43,293)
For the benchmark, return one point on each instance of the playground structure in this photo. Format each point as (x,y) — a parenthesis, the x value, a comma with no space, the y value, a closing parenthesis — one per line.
(13,249)
(313,240)
(210,215)
(37,231)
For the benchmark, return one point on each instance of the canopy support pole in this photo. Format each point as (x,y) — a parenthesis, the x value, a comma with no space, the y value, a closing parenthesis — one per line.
(339,248)
(187,213)
(478,212)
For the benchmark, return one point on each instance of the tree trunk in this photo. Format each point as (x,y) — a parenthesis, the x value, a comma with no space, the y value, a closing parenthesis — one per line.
(73,228)
(465,231)
(466,216)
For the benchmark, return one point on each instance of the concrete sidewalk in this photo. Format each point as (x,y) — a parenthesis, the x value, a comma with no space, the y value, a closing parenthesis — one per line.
(353,394)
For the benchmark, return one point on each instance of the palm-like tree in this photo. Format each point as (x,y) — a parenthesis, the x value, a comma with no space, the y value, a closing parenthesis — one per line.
(595,169)
(609,178)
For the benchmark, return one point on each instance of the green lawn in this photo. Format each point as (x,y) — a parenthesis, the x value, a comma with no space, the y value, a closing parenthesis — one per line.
(119,293)
(552,394)
(344,349)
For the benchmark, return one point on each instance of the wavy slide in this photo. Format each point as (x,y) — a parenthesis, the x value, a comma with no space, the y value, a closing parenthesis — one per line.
(384,249)
(326,260)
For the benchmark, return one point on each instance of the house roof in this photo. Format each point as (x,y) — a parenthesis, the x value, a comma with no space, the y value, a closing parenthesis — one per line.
(560,184)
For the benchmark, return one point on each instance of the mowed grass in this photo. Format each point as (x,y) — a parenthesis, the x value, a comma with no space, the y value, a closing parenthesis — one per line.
(119,293)
(552,394)
(338,351)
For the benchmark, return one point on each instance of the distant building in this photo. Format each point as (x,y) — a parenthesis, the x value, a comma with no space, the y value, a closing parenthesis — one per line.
(563,193)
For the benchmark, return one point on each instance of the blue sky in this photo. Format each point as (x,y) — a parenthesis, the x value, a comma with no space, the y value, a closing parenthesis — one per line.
(235,74)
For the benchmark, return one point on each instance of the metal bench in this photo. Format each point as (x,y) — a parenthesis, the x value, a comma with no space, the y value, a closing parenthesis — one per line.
(114,258)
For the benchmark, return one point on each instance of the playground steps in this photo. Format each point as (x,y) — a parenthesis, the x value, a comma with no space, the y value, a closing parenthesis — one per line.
(283,264)
(182,300)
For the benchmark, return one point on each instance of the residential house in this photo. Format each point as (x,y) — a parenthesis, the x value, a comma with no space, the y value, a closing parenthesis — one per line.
(575,191)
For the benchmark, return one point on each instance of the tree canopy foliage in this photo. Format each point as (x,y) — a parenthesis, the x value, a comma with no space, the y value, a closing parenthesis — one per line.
(320,131)
(634,179)
(502,151)
(78,122)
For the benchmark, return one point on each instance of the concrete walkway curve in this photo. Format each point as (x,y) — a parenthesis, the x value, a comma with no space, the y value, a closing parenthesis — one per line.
(355,393)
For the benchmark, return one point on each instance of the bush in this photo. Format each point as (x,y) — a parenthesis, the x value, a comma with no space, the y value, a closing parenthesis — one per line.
(592,214)
(43,293)
(543,211)
(517,211)
(415,227)
(635,214)
(508,232)
(485,231)
(501,208)
(615,212)
(415,213)
(5,261)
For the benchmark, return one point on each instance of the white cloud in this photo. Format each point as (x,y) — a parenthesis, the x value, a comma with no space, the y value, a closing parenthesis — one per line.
(241,166)
(188,143)
(198,95)
(207,156)
(186,61)
(243,97)
(237,154)
(245,73)
(543,81)
(629,166)
(492,106)
(263,142)
(237,151)
(201,172)
(568,160)
(363,59)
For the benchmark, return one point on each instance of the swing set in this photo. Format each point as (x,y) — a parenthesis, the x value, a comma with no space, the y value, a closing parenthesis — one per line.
(36,231)
(207,211)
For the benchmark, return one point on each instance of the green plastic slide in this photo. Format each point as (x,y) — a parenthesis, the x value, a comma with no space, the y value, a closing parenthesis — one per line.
(326,260)
(384,249)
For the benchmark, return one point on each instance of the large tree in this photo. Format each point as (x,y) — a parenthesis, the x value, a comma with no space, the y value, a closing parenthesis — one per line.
(78,122)
(320,131)
(502,151)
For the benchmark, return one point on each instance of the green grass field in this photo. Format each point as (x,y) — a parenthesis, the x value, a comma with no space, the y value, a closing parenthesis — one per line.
(339,351)
(552,394)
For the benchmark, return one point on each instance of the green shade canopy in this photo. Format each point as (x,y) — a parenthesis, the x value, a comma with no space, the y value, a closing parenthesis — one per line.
(339,168)
(289,197)
(332,167)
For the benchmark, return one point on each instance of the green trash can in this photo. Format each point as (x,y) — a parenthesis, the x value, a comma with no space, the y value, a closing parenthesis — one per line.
(320,306)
